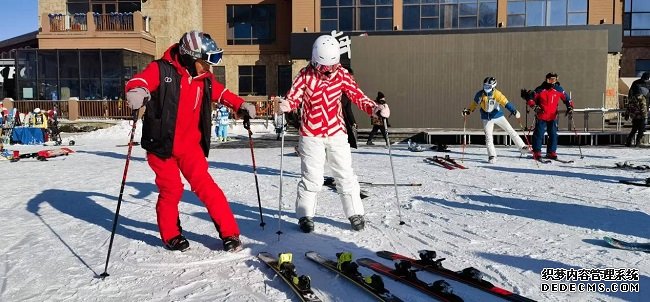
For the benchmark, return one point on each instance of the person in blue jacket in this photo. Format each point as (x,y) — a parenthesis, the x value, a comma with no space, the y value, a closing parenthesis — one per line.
(222,121)
(490,100)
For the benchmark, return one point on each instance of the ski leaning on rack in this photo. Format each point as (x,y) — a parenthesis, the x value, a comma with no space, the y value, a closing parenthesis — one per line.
(301,285)
(631,246)
(439,161)
(469,276)
(440,290)
(454,162)
(348,269)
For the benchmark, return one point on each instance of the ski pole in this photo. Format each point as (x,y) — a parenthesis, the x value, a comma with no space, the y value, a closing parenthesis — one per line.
(462,155)
(392,168)
(575,131)
(247,126)
(281,119)
(119,199)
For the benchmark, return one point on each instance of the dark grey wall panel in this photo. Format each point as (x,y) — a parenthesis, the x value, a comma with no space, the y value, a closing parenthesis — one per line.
(429,79)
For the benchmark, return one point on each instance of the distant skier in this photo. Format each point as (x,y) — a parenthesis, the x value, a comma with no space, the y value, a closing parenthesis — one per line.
(637,108)
(176,133)
(377,122)
(490,100)
(323,138)
(544,101)
(223,122)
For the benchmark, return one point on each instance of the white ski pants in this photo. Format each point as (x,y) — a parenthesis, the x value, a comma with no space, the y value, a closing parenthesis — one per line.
(488,126)
(314,153)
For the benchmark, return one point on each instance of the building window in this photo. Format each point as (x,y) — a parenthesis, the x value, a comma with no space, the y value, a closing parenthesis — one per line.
(641,66)
(103,6)
(636,20)
(547,12)
(220,73)
(252,80)
(251,24)
(360,15)
(284,79)
(426,14)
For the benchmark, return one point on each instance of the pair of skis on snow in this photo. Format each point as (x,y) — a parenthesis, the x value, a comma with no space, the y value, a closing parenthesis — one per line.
(625,245)
(404,272)
(445,162)
(42,155)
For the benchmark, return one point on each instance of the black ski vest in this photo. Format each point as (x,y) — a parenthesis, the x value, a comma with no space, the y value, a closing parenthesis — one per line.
(159,121)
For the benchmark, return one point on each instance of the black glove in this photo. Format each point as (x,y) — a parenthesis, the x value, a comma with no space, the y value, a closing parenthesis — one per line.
(527,94)
(537,109)
(466,112)
(626,116)
(569,111)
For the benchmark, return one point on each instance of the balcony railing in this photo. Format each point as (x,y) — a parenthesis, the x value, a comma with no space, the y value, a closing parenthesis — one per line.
(98,22)
(114,22)
(108,109)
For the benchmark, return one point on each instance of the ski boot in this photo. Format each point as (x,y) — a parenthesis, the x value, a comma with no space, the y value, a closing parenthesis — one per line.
(524,150)
(232,244)
(306,224)
(537,155)
(551,155)
(357,222)
(472,273)
(178,243)
(492,159)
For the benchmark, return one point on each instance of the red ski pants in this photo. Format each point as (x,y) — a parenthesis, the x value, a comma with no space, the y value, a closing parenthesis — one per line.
(194,166)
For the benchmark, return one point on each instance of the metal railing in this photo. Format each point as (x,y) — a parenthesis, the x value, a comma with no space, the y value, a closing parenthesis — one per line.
(62,23)
(104,109)
(29,106)
(110,109)
(113,22)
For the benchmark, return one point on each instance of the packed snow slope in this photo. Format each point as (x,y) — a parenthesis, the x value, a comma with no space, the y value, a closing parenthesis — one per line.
(510,220)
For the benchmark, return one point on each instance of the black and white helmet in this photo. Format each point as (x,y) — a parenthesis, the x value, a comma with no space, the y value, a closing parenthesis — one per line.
(200,46)
(489,84)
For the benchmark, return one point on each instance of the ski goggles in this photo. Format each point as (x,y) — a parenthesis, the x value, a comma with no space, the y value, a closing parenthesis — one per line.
(213,57)
(326,68)
(488,87)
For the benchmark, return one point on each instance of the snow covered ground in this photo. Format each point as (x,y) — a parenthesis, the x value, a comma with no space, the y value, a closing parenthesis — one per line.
(510,220)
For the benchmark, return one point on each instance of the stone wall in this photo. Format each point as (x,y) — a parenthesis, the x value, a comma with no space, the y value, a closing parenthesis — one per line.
(169,20)
(50,7)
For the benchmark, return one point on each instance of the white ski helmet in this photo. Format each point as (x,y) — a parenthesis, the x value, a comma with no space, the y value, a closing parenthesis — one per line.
(37,110)
(489,84)
(325,51)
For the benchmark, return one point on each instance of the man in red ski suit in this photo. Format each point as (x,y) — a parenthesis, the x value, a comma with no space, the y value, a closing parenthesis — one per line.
(544,101)
(323,137)
(176,132)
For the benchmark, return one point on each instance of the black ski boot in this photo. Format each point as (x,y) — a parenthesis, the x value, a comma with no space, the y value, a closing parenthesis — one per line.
(357,222)
(306,224)
(178,243)
(232,244)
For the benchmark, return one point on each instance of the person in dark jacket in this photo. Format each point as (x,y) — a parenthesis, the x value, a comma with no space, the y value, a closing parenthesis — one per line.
(178,90)
(377,122)
(348,117)
(637,108)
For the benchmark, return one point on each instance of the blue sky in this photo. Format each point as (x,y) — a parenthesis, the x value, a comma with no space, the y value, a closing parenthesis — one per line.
(18,17)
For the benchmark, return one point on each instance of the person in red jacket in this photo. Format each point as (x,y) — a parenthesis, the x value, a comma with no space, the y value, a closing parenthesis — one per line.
(544,101)
(178,90)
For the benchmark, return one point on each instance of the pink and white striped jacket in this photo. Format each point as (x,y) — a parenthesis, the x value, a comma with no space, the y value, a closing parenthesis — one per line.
(322,114)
